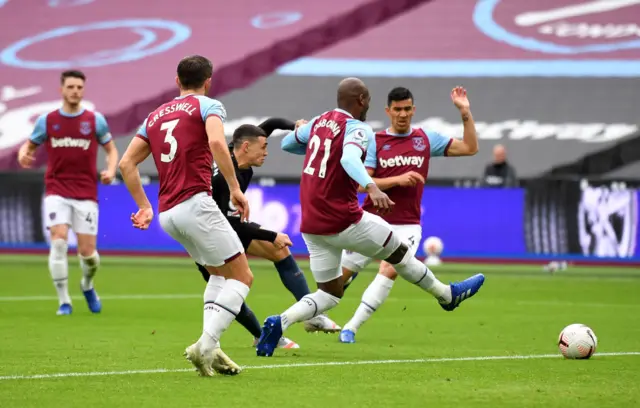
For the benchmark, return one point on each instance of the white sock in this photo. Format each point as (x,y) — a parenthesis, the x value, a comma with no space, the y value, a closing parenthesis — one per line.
(59,269)
(417,273)
(223,312)
(211,292)
(309,306)
(89,266)
(372,299)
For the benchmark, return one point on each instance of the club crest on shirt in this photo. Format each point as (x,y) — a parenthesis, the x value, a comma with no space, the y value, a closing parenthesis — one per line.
(418,144)
(56,127)
(386,147)
(85,128)
(52,216)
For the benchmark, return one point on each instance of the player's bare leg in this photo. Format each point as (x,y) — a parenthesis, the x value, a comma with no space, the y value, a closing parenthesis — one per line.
(222,304)
(293,279)
(372,298)
(59,267)
(89,263)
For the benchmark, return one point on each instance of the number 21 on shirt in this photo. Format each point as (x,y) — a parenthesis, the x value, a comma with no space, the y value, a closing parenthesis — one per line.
(314,145)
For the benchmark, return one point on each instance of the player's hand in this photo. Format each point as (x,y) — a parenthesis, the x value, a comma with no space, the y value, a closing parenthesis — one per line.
(282,240)
(240,202)
(301,122)
(142,219)
(459,98)
(410,179)
(26,158)
(380,199)
(106,176)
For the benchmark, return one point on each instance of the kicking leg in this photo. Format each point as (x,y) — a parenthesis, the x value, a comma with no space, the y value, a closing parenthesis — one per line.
(416,272)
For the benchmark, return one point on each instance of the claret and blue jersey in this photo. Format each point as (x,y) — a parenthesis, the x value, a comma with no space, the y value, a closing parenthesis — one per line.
(177,137)
(72,142)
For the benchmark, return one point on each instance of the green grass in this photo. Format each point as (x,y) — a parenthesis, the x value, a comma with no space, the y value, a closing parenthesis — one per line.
(519,311)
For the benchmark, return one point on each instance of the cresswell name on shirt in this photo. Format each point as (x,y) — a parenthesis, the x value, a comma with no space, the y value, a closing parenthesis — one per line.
(67,141)
(174,107)
(398,161)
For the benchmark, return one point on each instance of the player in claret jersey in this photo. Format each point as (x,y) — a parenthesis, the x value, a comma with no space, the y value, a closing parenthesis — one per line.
(400,168)
(335,144)
(181,135)
(71,136)
(248,149)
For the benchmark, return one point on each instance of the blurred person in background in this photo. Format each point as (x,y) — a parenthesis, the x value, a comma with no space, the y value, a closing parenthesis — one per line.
(499,173)
(71,135)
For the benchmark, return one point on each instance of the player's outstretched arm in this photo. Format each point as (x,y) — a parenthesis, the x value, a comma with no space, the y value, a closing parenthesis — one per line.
(222,157)
(468,146)
(272,124)
(296,142)
(135,154)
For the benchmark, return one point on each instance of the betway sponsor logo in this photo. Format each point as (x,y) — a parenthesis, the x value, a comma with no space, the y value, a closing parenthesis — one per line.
(512,129)
(84,144)
(401,161)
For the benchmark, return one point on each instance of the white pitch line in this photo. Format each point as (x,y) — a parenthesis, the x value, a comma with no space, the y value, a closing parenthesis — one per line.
(298,365)
(105,297)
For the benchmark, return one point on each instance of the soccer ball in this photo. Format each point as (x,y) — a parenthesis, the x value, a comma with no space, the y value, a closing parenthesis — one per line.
(577,341)
(433,246)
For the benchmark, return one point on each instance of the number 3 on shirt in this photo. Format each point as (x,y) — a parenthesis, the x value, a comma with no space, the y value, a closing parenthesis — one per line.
(314,144)
(169,138)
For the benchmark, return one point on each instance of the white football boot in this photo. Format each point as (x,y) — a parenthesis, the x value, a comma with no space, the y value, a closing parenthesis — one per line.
(203,362)
(321,323)
(222,364)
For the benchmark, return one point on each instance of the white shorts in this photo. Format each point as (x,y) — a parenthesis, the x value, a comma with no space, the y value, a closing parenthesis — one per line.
(202,229)
(372,236)
(409,234)
(81,215)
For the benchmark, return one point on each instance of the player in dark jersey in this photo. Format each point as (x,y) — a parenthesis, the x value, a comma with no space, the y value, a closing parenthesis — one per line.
(335,145)
(248,149)
(71,136)
(400,169)
(184,136)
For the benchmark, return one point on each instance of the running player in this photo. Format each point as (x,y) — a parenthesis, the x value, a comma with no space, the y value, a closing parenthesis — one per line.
(248,149)
(335,144)
(181,135)
(402,165)
(71,135)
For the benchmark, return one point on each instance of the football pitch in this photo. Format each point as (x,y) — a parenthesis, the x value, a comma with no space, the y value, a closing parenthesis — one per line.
(498,349)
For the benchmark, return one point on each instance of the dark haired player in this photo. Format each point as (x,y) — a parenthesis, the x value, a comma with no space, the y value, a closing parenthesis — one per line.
(71,135)
(401,168)
(248,149)
(184,136)
(335,145)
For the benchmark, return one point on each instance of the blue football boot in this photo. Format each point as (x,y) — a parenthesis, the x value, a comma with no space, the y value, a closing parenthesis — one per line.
(461,291)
